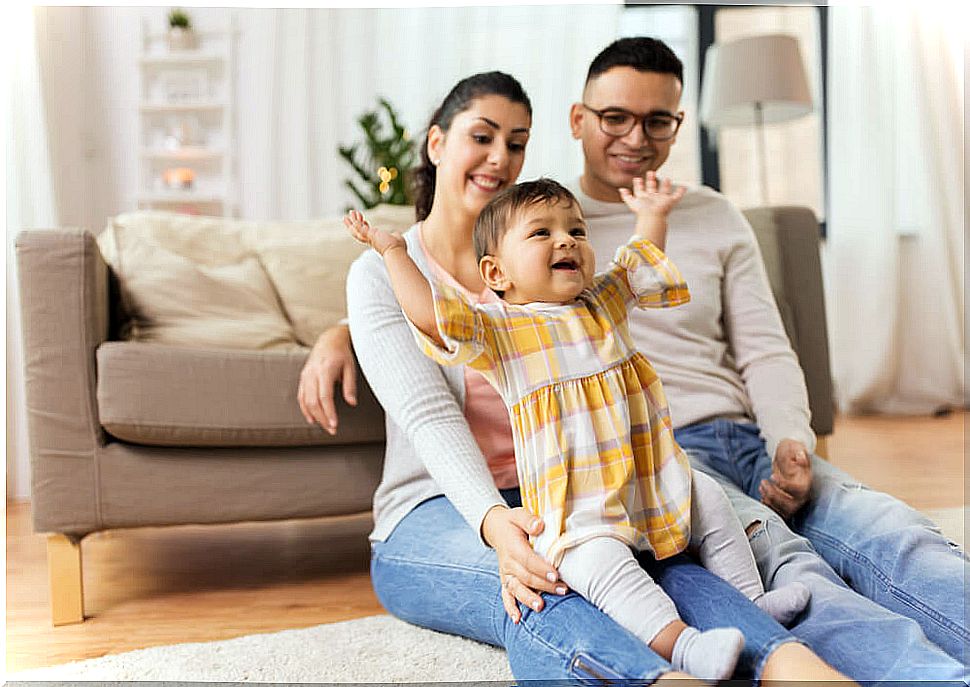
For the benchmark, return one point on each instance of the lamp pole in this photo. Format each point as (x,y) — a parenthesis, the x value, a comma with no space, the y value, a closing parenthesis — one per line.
(759,121)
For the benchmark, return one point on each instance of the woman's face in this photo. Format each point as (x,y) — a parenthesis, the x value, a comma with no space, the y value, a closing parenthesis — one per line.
(481,154)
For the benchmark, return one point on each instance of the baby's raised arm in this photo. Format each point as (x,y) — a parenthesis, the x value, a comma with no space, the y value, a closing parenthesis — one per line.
(412,290)
(652,201)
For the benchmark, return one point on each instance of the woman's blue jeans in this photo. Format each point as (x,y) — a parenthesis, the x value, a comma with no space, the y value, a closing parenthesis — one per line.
(434,571)
(908,620)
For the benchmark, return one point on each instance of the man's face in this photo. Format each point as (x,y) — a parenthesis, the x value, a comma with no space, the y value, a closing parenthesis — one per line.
(613,162)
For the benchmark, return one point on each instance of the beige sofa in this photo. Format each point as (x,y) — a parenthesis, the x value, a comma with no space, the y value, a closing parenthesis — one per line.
(132,425)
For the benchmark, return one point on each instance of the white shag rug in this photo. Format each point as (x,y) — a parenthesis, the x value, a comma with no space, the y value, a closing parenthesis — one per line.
(380,649)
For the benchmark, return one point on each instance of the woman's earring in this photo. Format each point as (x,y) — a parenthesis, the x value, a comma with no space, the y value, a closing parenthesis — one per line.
(436,162)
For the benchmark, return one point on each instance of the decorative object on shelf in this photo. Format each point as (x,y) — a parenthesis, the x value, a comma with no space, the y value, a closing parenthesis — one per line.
(182,132)
(185,85)
(382,161)
(180,33)
(178,178)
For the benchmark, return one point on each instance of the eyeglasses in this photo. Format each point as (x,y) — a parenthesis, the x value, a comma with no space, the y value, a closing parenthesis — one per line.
(656,126)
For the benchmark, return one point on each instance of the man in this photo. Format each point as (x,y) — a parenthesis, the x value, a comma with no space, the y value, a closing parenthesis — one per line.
(740,408)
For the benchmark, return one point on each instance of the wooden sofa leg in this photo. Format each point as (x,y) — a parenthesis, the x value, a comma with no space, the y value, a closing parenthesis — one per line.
(64,567)
(822,447)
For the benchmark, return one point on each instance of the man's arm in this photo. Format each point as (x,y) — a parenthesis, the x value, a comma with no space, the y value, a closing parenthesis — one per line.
(773,380)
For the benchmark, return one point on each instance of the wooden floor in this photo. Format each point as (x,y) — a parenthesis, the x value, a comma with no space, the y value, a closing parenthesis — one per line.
(156,586)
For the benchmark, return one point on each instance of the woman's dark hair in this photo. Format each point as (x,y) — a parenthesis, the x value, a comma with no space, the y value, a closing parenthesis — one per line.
(457,101)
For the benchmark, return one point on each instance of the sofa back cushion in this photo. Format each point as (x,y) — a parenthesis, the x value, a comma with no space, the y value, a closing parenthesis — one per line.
(308,262)
(213,282)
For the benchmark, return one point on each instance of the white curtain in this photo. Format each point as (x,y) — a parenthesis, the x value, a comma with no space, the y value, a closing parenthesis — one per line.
(895,252)
(30,203)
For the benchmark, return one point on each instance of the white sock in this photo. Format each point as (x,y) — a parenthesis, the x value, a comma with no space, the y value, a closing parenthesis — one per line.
(709,655)
(784,603)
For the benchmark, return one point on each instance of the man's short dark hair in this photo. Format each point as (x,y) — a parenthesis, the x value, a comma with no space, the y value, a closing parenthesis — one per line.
(496,217)
(641,53)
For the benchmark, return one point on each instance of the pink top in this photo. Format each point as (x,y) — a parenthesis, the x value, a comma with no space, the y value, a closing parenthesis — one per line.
(484,409)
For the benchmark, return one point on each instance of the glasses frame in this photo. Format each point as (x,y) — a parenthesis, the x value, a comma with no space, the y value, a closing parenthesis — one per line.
(641,119)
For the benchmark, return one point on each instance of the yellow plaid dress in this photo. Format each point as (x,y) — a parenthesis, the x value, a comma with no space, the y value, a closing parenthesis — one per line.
(594,446)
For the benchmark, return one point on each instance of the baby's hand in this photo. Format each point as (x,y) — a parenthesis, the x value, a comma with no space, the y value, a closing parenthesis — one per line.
(652,198)
(378,239)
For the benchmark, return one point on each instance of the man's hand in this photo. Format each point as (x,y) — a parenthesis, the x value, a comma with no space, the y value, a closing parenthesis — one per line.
(791,479)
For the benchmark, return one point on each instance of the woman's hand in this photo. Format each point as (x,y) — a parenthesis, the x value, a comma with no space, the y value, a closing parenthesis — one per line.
(331,361)
(522,571)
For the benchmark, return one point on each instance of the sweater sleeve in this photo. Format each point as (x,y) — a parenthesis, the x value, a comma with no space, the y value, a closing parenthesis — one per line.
(414,392)
(763,354)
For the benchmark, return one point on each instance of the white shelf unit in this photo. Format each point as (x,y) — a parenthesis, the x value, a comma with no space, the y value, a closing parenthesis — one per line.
(186,117)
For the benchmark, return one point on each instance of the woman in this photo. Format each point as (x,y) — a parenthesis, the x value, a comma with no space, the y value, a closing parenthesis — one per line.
(439,505)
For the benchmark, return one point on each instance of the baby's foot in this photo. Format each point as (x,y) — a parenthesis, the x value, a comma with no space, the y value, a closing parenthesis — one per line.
(784,603)
(709,655)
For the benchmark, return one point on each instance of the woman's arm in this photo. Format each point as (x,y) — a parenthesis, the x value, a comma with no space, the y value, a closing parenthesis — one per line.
(331,360)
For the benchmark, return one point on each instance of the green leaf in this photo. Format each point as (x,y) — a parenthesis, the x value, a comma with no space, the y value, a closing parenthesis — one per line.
(383,145)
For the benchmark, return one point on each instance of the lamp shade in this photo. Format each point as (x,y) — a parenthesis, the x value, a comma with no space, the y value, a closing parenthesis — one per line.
(740,74)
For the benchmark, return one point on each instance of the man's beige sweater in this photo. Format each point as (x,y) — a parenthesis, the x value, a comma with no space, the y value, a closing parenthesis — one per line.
(725,354)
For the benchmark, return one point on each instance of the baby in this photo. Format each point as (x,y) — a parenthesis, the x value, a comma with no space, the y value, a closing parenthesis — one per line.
(594,448)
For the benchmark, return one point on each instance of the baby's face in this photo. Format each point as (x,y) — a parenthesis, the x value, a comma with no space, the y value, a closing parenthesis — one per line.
(545,254)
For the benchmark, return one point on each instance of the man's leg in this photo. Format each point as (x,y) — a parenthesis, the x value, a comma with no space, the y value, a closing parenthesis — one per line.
(880,546)
(855,634)
(891,553)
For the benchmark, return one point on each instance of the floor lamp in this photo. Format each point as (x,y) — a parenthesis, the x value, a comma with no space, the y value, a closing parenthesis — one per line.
(754,80)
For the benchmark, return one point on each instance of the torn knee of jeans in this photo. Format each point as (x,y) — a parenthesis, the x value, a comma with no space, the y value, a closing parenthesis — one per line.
(585,666)
(753,528)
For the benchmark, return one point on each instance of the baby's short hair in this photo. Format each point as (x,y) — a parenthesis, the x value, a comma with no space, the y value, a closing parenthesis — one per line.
(496,217)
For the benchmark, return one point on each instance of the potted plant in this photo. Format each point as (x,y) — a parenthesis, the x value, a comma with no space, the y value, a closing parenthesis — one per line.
(180,33)
(383,161)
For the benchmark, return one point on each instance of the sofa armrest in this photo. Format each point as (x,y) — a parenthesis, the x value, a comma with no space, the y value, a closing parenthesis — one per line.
(65,316)
(789,238)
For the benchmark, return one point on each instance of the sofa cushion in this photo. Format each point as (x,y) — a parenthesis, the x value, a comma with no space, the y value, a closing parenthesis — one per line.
(308,264)
(172,396)
(218,282)
(193,282)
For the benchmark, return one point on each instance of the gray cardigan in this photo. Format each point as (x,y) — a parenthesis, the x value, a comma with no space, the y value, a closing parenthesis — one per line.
(430,447)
